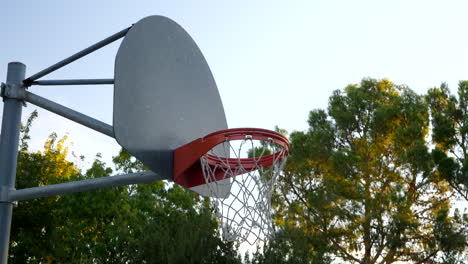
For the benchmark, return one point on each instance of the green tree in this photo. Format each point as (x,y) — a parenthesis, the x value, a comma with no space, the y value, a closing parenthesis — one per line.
(174,225)
(147,223)
(291,245)
(449,119)
(360,183)
(33,220)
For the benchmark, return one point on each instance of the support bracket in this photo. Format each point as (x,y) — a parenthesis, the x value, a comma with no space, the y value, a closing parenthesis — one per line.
(12,91)
(4,195)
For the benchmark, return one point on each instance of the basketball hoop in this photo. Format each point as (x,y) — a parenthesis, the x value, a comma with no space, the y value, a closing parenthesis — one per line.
(238,168)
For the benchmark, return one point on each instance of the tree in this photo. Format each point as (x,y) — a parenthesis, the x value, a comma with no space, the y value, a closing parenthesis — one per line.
(147,223)
(291,245)
(175,225)
(32,221)
(449,119)
(360,184)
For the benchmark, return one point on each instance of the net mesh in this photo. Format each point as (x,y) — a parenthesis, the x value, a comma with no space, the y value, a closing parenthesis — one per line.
(245,212)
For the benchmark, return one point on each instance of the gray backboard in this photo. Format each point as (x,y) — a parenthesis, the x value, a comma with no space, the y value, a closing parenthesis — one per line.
(164,93)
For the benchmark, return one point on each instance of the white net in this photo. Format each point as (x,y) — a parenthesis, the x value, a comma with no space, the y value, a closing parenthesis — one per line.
(245,212)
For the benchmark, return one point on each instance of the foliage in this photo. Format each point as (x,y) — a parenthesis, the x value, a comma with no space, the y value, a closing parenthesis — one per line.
(291,245)
(147,223)
(449,119)
(360,184)
(32,221)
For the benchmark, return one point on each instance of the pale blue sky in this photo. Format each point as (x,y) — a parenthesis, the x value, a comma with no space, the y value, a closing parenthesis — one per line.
(273,61)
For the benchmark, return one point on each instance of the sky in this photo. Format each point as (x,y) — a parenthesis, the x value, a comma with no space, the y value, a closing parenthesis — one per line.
(273,61)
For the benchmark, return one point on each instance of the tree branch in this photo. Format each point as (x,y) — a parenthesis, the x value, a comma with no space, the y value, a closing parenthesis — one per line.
(427,258)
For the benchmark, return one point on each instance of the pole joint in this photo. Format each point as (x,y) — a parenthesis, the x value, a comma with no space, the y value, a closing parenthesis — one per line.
(13,91)
(4,195)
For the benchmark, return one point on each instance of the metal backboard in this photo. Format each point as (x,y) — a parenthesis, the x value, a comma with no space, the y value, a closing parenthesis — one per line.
(164,93)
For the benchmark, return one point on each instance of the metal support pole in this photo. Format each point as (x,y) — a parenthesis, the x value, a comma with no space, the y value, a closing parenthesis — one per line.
(76,56)
(9,140)
(74,82)
(83,186)
(70,114)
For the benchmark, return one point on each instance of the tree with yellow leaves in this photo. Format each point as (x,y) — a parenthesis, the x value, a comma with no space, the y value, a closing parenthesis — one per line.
(360,185)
